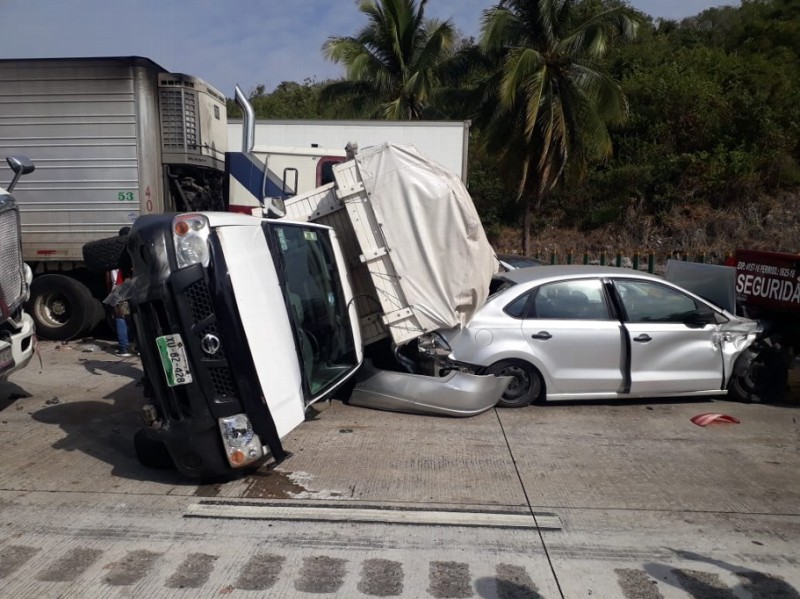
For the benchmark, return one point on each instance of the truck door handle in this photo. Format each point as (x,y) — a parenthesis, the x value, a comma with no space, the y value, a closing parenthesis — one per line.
(544,335)
(643,338)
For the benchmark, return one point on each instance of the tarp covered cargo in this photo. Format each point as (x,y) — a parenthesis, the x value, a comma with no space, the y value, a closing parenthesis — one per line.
(412,237)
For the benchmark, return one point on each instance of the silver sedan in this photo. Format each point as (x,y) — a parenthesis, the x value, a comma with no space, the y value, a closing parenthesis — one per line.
(586,332)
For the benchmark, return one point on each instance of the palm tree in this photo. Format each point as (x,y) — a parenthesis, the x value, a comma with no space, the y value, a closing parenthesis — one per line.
(549,103)
(392,64)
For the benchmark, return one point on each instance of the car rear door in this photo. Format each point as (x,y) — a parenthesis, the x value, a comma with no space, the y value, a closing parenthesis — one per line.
(667,355)
(571,333)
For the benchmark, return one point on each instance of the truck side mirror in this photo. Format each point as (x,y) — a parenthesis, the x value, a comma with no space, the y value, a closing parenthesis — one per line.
(274,207)
(21,165)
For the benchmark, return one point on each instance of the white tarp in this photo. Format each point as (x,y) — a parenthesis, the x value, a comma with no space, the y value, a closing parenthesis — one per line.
(432,229)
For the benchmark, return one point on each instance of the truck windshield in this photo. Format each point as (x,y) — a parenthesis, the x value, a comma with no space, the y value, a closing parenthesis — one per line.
(316,304)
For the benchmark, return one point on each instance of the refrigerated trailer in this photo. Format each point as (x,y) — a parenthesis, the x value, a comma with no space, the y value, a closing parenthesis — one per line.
(112,138)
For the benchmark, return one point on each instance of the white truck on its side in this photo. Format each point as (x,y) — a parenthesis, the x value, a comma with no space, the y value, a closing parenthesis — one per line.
(244,321)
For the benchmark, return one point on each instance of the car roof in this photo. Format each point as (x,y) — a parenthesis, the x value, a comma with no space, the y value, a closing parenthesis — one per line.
(572,271)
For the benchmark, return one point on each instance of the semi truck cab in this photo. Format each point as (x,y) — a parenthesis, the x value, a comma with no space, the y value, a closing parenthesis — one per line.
(17,339)
(243,323)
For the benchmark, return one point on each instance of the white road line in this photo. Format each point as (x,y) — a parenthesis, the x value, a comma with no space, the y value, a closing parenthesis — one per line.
(333,514)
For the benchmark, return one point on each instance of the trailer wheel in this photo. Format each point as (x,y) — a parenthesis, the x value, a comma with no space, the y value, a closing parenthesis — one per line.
(760,375)
(61,307)
(106,254)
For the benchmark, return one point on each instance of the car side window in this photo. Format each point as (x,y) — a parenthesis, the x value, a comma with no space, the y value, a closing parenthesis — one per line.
(647,301)
(516,309)
(581,299)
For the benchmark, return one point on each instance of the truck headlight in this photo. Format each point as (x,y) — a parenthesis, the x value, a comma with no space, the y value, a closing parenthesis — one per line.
(242,445)
(190,236)
(28,279)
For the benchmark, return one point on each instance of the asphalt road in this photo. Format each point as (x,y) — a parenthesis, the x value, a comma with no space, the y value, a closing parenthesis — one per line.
(627,500)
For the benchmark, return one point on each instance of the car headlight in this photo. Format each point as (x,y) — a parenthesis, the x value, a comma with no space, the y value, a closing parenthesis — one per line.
(190,236)
(242,445)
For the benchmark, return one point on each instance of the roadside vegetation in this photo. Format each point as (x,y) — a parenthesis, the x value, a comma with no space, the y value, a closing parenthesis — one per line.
(595,126)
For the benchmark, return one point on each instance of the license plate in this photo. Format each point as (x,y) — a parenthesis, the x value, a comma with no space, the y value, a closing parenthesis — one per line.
(173,360)
(6,358)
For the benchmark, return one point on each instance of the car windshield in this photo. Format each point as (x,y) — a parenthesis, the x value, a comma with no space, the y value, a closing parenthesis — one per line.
(315,301)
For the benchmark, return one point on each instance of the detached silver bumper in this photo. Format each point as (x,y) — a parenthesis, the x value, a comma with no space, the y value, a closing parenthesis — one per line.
(457,394)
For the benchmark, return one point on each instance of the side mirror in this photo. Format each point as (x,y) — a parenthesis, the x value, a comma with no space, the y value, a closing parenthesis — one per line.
(274,207)
(21,165)
(700,317)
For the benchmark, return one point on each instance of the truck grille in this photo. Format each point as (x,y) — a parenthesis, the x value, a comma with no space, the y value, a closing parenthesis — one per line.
(11,275)
(211,372)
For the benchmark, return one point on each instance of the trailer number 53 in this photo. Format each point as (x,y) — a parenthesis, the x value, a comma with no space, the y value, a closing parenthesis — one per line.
(126,196)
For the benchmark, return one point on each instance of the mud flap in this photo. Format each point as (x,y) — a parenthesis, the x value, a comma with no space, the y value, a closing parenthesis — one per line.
(457,394)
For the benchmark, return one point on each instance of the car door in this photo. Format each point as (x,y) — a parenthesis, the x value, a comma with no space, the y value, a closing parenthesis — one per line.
(569,329)
(668,354)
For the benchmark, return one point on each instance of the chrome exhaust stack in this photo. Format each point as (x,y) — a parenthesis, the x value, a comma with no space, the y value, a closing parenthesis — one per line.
(249,124)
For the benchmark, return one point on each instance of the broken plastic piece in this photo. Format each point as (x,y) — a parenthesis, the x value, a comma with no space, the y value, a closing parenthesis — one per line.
(709,418)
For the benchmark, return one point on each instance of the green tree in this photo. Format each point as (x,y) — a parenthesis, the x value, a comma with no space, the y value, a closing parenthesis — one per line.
(550,100)
(393,64)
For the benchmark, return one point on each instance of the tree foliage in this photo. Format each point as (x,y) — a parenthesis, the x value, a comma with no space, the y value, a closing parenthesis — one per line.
(712,103)
(393,63)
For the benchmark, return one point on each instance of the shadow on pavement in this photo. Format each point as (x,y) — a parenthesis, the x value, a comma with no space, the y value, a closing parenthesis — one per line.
(702,584)
(105,429)
(9,393)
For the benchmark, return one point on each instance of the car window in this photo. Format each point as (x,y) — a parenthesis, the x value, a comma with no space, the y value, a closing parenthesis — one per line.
(647,301)
(516,309)
(581,299)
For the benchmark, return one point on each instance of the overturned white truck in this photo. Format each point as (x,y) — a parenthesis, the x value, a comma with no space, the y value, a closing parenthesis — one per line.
(243,322)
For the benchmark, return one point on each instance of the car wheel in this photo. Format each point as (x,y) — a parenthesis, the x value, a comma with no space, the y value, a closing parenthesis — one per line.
(526,387)
(760,375)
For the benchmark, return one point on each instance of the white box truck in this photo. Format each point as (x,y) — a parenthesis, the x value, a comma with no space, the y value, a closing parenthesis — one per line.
(300,154)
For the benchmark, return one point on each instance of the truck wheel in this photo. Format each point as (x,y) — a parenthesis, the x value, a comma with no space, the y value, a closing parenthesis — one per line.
(106,254)
(760,374)
(61,307)
(150,452)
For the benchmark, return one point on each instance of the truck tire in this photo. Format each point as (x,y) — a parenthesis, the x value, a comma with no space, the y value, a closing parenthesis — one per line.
(151,452)
(106,254)
(760,374)
(61,307)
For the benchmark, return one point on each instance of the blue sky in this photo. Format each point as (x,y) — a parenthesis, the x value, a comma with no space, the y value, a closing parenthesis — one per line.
(248,42)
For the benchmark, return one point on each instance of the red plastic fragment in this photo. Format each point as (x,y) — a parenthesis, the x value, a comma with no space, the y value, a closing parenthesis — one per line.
(710,418)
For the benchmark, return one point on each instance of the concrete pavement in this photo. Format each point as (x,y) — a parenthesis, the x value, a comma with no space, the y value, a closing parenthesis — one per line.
(631,500)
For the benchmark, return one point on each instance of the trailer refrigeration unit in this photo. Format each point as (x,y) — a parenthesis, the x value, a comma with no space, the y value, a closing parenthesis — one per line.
(112,138)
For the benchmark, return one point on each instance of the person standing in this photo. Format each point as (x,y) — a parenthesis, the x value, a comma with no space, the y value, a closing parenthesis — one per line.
(121,311)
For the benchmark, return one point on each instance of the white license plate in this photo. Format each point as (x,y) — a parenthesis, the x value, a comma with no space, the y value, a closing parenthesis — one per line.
(173,360)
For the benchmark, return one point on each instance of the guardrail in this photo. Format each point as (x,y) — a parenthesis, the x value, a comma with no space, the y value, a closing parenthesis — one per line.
(649,261)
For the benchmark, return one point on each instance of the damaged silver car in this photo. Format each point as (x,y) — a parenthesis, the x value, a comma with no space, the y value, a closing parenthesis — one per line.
(587,332)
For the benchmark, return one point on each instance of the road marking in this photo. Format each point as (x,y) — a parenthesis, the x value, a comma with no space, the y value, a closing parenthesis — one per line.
(251,511)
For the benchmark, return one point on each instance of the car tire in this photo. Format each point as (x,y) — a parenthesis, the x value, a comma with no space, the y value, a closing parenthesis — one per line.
(526,388)
(760,375)
(61,307)
(151,452)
